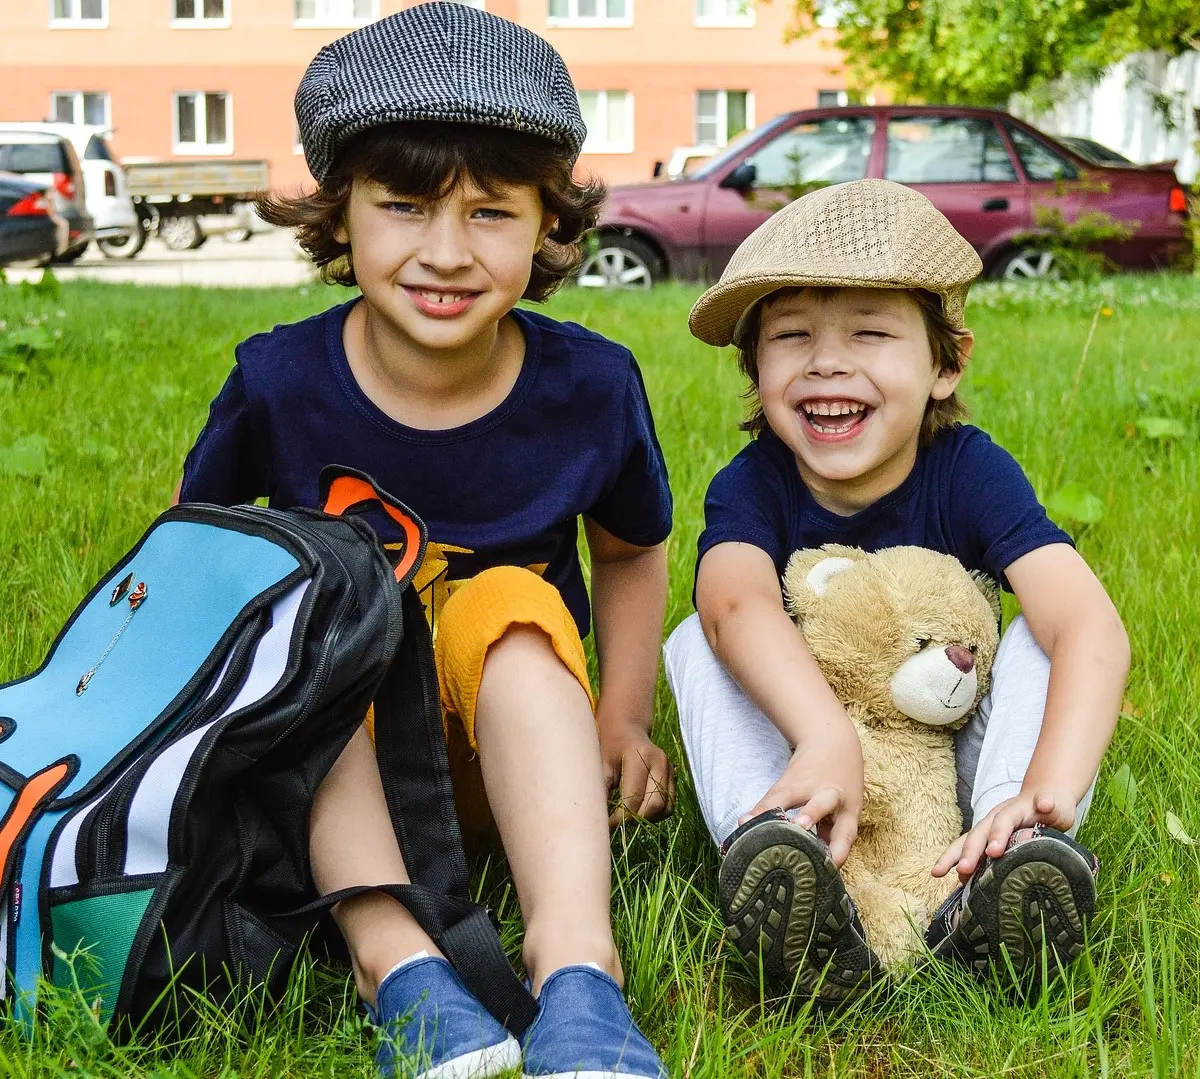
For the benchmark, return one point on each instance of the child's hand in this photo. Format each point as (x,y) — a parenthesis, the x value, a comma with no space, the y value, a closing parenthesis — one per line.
(640,770)
(990,836)
(825,780)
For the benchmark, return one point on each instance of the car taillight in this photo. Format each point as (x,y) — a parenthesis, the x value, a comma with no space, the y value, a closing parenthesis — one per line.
(110,183)
(1177,201)
(64,185)
(32,205)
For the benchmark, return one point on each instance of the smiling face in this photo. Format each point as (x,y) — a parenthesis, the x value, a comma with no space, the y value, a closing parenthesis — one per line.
(442,271)
(844,378)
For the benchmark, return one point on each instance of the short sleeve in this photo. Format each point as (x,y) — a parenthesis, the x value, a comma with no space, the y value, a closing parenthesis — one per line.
(745,503)
(229,463)
(994,510)
(636,507)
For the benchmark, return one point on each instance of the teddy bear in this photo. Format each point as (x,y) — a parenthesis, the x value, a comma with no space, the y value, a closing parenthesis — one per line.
(906,638)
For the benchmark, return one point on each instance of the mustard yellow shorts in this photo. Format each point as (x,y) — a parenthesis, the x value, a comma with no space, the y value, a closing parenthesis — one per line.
(475,616)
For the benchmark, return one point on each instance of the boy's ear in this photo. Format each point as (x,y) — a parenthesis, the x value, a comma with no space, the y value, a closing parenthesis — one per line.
(549,224)
(947,381)
(339,233)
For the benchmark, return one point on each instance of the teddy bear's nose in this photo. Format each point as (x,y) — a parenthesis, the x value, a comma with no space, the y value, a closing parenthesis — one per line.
(960,657)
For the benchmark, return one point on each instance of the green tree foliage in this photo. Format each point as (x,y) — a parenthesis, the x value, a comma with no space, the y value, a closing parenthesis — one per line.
(981,51)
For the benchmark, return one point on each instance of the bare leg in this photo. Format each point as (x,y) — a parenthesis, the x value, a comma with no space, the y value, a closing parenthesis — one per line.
(351,842)
(545,784)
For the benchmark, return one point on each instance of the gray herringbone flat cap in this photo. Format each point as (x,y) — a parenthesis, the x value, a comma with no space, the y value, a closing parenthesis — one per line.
(436,61)
(865,234)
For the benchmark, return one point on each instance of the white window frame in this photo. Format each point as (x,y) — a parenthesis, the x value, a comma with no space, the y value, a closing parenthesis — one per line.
(722,114)
(199,22)
(76,21)
(743,18)
(597,145)
(573,18)
(201,149)
(77,114)
(326,21)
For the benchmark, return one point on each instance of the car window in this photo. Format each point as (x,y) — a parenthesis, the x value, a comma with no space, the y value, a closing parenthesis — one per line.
(22,157)
(97,150)
(1041,163)
(735,148)
(946,150)
(828,151)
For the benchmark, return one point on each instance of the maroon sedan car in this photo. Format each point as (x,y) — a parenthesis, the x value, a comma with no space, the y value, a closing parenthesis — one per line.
(985,170)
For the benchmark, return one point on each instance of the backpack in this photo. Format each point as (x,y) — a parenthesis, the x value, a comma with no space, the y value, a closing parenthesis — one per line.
(157,771)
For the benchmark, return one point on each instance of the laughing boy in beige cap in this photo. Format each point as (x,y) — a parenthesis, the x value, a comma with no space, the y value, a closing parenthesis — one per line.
(847,311)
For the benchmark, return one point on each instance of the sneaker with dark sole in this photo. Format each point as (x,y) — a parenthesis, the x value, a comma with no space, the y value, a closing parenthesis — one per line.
(1035,898)
(783,900)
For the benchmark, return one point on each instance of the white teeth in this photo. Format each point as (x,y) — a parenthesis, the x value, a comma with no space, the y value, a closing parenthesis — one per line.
(833,408)
(440,297)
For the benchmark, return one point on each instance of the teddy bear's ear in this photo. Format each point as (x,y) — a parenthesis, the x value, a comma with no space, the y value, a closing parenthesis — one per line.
(991,591)
(809,572)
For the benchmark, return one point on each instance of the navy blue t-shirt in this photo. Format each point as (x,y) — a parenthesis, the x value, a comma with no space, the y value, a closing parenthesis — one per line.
(574,436)
(965,497)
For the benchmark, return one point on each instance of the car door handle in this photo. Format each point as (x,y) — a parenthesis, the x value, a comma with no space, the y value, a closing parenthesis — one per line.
(995,204)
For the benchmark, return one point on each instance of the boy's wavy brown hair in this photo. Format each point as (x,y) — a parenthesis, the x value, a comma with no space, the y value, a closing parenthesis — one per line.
(944,343)
(427,160)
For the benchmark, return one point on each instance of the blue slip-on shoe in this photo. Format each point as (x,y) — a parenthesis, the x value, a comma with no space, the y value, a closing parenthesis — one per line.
(583,1030)
(433,1028)
(1034,901)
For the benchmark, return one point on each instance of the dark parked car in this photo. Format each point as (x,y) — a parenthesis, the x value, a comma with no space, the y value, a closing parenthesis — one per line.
(985,170)
(30,230)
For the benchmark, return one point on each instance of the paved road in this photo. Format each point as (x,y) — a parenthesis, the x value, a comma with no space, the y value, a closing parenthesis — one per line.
(266,259)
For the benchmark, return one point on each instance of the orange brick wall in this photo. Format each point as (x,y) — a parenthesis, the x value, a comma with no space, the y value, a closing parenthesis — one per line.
(140,60)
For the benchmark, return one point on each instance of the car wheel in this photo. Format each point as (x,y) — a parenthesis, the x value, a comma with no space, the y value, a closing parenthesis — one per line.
(123,247)
(181,233)
(72,254)
(619,262)
(1027,264)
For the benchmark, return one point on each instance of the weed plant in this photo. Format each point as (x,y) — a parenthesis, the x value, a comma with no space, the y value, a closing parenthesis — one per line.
(1094,387)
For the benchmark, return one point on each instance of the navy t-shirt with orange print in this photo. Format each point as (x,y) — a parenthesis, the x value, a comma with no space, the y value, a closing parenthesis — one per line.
(574,436)
(965,496)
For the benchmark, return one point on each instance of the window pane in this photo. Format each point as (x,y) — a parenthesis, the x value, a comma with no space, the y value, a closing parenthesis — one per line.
(944,150)
(306,9)
(62,9)
(735,113)
(185,9)
(185,108)
(1041,163)
(97,150)
(93,9)
(214,120)
(618,118)
(707,9)
(588,9)
(823,152)
(93,109)
(364,9)
(588,109)
(616,9)
(36,157)
(559,9)
(64,108)
(214,9)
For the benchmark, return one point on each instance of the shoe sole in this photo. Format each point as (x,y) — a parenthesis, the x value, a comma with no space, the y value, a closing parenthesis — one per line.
(783,900)
(495,1060)
(1038,897)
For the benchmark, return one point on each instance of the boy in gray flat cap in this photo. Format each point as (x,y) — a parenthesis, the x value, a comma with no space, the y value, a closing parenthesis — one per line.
(443,140)
(846,308)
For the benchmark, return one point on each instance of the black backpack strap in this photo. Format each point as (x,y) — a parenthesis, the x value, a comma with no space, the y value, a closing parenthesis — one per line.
(410,745)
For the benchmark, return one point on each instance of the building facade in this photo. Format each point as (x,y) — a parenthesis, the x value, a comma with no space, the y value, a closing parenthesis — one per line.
(215,78)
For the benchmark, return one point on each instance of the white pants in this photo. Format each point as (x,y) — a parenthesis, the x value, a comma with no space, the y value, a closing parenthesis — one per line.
(736,753)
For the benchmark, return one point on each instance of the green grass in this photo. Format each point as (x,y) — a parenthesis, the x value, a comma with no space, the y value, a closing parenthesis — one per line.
(103,415)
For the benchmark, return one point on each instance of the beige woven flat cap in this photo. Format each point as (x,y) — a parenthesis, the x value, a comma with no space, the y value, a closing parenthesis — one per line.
(865,234)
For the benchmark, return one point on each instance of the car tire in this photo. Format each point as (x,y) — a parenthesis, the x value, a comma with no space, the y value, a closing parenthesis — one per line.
(123,247)
(1026,264)
(72,254)
(181,233)
(616,261)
